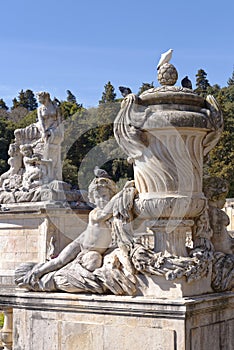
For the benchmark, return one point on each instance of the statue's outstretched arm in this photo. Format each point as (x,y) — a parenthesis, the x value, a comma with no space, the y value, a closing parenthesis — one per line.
(68,254)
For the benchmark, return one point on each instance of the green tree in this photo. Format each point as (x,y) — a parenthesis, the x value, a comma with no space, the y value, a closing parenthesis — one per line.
(3,105)
(89,141)
(7,128)
(26,99)
(213,90)
(145,86)
(202,83)
(17,114)
(221,158)
(69,108)
(70,97)
(31,101)
(109,94)
(69,172)
(28,119)
(22,100)
(15,103)
(231,79)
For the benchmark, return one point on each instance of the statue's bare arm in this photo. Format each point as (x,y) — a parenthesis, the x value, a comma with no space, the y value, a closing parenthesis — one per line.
(68,254)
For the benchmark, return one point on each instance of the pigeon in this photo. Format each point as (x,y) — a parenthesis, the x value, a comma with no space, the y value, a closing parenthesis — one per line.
(165,58)
(186,83)
(56,101)
(125,90)
(101,173)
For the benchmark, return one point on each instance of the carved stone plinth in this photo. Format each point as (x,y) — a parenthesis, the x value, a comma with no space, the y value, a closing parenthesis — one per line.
(170,236)
(69,321)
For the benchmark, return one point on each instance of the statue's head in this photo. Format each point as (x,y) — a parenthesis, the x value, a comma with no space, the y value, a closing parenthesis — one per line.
(13,149)
(215,189)
(43,96)
(26,150)
(103,188)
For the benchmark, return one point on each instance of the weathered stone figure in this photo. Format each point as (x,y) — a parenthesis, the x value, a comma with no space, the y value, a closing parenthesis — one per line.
(32,176)
(35,156)
(15,163)
(51,128)
(81,257)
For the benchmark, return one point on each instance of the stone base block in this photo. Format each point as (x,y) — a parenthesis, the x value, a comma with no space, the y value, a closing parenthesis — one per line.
(58,321)
(36,233)
(158,287)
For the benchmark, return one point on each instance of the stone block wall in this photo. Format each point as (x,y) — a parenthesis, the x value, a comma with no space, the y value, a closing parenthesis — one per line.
(26,236)
(75,321)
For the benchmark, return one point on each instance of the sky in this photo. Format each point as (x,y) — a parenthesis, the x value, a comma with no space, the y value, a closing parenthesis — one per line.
(56,45)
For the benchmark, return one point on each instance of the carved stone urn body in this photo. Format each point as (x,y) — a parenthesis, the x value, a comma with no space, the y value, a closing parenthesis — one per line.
(166,132)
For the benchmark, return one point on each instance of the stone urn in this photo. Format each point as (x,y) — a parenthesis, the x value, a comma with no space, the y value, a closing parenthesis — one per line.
(166,132)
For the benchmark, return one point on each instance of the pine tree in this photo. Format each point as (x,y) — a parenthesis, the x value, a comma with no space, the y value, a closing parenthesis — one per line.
(69,108)
(221,158)
(31,100)
(71,97)
(231,80)
(202,83)
(25,99)
(22,99)
(145,86)
(109,94)
(15,103)
(3,105)
(214,90)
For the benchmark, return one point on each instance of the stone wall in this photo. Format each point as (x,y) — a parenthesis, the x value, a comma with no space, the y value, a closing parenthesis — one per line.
(33,235)
(69,322)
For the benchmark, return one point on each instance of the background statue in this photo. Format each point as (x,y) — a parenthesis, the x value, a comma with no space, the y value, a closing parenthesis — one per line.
(52,132)
(35,158)
(7,179)
(32,176)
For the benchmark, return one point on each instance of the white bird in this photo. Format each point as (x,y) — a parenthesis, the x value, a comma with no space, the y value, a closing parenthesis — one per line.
(165,58)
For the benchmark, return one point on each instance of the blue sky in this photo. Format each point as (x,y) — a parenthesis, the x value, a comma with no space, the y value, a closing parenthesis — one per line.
(56,45)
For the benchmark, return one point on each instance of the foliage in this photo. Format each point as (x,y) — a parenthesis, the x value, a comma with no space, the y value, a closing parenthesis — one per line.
(69,172)
(69,108)
(3,105)
(89,141)
(17,114)
(145,86)
(70,97)
(109,94)
(221,158)
(26,99)
(28,119)
(7,128)
(213,90)
(231,79)
(31,101)
(1,319)
(202,83)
